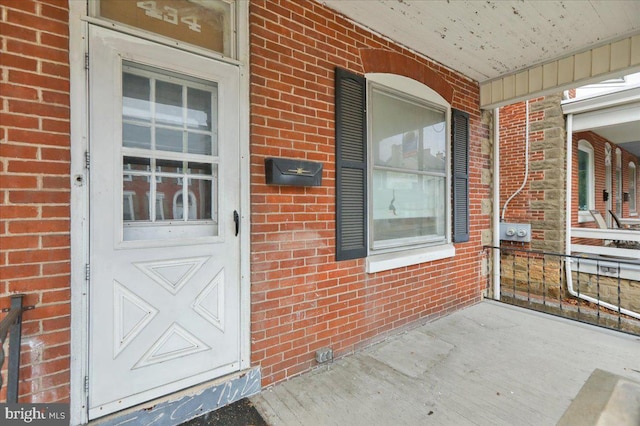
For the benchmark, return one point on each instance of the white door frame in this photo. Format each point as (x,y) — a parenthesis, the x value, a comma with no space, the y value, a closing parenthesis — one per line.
(78,47)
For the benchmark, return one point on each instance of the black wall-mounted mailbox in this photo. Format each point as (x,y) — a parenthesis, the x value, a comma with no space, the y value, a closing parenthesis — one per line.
(286,171)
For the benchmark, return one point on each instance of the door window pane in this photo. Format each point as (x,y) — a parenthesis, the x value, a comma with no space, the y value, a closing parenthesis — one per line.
(135,136)
(169,148)
(135,205)
(201,191)
(199,109)
(169,140)
(136,97)
(199,144)
(168,103)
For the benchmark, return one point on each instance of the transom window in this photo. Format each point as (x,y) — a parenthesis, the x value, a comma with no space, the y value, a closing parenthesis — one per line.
(204,24)
(407,196)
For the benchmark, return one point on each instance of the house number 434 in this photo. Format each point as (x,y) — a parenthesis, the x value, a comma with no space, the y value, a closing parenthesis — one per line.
(168,14)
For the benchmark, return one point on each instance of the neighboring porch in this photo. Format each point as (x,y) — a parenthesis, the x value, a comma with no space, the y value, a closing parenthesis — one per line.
(489,364)
(597,283)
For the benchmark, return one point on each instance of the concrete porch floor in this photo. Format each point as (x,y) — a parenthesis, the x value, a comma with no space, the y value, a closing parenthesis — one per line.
(489,364)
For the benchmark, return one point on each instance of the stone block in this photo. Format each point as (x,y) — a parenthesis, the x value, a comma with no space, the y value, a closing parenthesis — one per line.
(486,207)
(486,237)
(547,164)
(553,153)
(487,177)
(549,204)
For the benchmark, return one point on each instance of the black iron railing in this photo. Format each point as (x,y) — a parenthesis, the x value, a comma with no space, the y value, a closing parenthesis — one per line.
(600,290)
(12,325)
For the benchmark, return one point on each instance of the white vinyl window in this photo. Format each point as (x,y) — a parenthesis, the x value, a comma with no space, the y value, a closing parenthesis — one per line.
(633,182)
(409,174)
(586,179)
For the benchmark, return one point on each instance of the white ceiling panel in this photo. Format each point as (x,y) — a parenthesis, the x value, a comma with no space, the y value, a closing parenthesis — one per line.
(488,40)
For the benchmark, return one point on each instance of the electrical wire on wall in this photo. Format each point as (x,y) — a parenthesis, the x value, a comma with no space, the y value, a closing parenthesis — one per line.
(526,162)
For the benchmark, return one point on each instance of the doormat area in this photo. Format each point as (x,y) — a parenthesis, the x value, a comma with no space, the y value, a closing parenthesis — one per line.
(240,413)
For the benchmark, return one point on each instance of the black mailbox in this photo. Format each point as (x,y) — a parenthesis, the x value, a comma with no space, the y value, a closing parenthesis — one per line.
(286,171)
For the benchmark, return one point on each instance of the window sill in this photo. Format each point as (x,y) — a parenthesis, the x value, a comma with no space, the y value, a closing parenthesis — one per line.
(387,261)
(584,217)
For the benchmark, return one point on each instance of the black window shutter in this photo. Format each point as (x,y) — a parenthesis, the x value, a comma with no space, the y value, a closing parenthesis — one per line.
(351,166)
(460,168)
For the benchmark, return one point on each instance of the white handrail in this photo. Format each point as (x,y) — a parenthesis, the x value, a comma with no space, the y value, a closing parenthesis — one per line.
(623,253)
(618,234)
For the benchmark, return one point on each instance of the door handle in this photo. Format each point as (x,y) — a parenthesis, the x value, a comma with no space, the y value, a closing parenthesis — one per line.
(236,219)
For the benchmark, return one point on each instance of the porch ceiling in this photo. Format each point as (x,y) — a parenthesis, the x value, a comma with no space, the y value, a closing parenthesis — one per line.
(503,44)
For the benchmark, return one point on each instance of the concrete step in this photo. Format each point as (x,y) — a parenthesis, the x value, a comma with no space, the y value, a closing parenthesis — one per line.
(605,399)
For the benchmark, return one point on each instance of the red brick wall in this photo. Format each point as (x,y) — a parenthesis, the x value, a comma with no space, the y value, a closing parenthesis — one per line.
(513,163)
(34,188)
(302,299)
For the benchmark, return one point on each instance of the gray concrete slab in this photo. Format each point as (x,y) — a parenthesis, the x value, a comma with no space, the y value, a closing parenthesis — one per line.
(489,364)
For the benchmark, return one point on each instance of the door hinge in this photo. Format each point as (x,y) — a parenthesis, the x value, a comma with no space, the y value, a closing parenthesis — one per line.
(87,159)
(87,272)
(86,61)
(86,384)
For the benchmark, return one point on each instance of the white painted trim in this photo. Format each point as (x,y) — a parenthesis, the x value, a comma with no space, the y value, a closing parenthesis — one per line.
(569,185)
(590,66)
(584,217)
(79,212)
(607,117)
(495,214)
(612,252)
(386,261)
(620,234)
(242,28)
(601,101)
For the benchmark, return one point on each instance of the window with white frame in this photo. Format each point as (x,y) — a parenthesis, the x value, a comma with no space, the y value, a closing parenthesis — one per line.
(408,170)
(586,194)
(402,172)
(633,181)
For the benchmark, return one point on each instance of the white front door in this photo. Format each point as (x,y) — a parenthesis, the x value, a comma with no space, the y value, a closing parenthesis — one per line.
(164,289)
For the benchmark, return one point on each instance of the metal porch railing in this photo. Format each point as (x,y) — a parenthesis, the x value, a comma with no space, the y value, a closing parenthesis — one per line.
(595,289)
(11,324)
